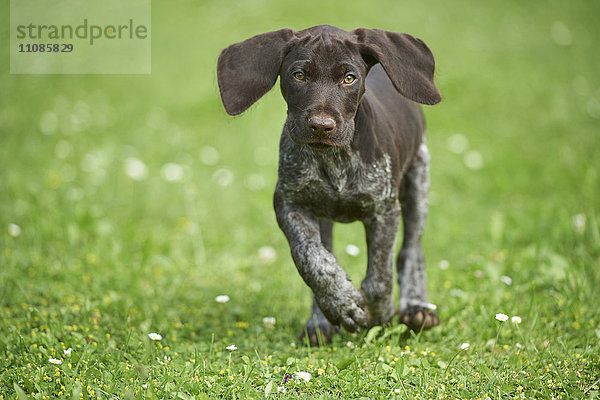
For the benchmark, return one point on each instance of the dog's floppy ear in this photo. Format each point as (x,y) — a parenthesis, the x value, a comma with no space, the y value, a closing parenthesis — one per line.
(249,69)
(407,60)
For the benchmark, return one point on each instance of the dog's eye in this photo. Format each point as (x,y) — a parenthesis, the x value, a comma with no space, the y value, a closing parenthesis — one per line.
(299,75)
(348,79)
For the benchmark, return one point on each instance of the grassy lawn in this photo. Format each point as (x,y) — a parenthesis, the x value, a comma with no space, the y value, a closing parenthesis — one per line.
(129,203)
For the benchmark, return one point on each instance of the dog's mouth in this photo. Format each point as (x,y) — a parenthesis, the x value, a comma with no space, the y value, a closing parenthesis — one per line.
(304,137)
(319,145)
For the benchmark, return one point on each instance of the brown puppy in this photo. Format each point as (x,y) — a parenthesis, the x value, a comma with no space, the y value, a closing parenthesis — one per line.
(352,148)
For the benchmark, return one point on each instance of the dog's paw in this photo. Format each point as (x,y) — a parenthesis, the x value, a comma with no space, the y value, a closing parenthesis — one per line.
(345,306)
(419,318)
(318,331)
(380,307)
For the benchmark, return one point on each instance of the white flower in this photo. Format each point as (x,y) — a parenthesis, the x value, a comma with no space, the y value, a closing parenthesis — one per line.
(209,155)
(62,149)
(457,143)
(465,346)
(136,169)
(429,306)
(502,317)
(516,319)
(14,230)
(172,172)
(68,351)
(519,345)
(350,345)
(222,298)
(281,389)
(304,375)
(145,385)
(578,221)
(267,255)
(444,264)
(55,361)
(154,336)
(269,321)
(473,160)
(231,347)
(164,361)
(397,390)
(352,250)
(223,177)
(506,279)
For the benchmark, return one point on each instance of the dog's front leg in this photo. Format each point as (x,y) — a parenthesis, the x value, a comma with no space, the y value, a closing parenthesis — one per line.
(335,295)
(381,231)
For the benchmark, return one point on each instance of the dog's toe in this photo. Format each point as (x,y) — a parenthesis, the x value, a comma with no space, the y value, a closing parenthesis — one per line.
(419,319)
(320,333)
(349,324)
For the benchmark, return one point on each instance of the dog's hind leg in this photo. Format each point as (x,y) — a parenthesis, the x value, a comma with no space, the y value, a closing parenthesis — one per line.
(318,328)
(413,309)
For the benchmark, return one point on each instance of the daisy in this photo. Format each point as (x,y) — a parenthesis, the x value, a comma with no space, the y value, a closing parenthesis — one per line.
(269,321)
(516,319)
(14,230)
(267,255)
(457,143)
(209,155)
(473,160)
(136,169)
(55,361)
(223,177)
(352,250)
(154,336)
(164,361)
(231,347)
(68,351)
(507,280)
(304,375)
(222,299)
(172,172)
(578,221)
(502,317)
(465,346)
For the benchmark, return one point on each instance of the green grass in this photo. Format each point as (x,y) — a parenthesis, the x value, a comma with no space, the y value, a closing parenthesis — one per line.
(103,260)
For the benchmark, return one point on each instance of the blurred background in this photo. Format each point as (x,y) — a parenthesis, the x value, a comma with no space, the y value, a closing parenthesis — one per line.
(137,196)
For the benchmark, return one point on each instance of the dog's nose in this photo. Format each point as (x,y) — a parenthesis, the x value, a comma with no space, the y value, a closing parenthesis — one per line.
(321,125)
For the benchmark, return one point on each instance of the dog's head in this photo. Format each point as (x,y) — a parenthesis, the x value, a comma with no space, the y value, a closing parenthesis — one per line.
(323,71)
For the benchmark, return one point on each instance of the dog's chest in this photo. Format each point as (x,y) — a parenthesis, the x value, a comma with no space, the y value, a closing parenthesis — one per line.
(337,184)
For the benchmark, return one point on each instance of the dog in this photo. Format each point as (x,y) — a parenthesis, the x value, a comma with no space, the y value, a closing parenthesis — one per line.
(352,149)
